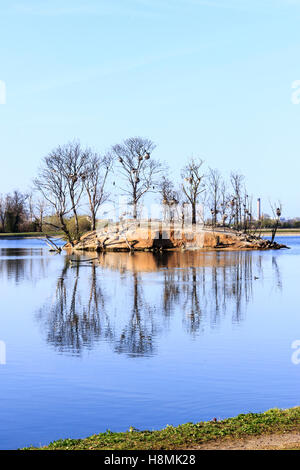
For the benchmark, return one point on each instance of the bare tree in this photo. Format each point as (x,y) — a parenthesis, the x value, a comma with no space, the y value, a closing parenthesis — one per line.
(224,202)
(40,208)
(73,166)
(214,188)
(138,169)
(95,179)
(61,182)
(169,197)
(54,186)
(237,183)
(240,203)
(30,204)
(193,184)
(277,211)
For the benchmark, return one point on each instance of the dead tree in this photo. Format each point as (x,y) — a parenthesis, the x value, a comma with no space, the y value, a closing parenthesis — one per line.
(139,171)
(193,183)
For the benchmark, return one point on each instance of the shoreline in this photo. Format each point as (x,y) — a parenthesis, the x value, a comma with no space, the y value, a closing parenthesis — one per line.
(165,237)
(275,428)
(285,233)
(24,236)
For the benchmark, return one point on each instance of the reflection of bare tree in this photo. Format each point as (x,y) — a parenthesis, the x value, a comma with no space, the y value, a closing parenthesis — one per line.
(82,312)
(137,336)
(194,315)
(277,273)
(241,277)
(210,291)
(70,322)
(172,291)
(75,319)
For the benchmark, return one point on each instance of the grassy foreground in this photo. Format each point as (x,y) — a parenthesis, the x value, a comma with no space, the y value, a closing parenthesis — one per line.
(187,435)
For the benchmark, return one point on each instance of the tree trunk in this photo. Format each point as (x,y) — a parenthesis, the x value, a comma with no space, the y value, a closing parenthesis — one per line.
(135,210)
(93,221)
(76,223)
(274,230)
(72,197)
(134,199)
(65,230)
(194,214)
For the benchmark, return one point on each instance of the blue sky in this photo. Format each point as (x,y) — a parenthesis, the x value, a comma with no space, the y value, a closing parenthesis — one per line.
(211,78)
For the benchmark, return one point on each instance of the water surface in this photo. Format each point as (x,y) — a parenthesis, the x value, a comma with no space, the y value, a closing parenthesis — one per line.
(142,340)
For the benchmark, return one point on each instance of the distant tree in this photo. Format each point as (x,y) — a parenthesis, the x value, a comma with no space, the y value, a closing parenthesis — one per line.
(193,183)
(30,205)
(15,211)
(2,212)
(139,171)
(40,208)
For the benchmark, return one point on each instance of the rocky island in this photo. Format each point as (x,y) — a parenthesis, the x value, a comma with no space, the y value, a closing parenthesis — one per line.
(160,237)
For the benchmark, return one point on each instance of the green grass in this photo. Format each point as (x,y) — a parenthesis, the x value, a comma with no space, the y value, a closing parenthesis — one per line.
(187,435)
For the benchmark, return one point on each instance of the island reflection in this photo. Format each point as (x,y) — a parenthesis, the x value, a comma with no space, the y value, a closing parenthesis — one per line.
(203,287)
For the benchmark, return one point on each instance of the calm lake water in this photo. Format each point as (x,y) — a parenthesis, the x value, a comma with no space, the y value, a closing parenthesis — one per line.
(142,340)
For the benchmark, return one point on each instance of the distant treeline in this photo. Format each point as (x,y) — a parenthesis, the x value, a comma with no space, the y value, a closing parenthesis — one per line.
(16,214)
(268,222)
(21,212)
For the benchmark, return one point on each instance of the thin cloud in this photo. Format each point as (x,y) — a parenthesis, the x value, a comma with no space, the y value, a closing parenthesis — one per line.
(83,76)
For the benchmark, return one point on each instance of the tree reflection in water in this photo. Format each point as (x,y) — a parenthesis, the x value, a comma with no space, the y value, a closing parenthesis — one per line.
(203,288)
(72,320)
(138,334)
(210,290)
